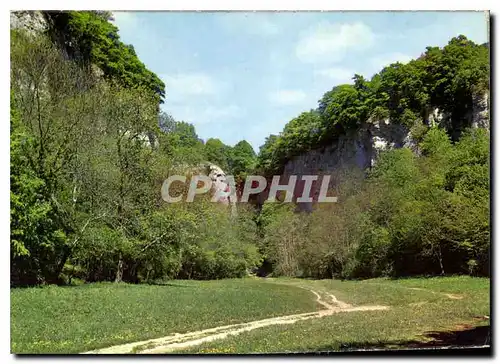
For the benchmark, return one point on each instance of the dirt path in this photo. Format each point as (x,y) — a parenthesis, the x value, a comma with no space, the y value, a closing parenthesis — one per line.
(449,295)
(452,296)
(181,341)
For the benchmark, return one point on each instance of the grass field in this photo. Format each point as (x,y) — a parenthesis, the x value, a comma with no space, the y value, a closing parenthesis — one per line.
(74,319)
(81,318)
(414,317)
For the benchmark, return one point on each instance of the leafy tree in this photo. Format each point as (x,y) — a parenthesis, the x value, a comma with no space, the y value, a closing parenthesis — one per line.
(267,158)
(341,111)
(242,158)
(89,155)
(301,133)
(36,238)
(179,142)
(90,37)
(217,152)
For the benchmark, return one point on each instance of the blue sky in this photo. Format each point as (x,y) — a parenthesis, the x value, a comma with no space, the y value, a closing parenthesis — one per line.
(245,75)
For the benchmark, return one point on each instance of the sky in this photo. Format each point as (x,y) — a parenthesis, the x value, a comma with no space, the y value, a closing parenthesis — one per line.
(244,75)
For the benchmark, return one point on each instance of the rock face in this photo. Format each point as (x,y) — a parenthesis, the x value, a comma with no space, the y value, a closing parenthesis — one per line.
(220,184)
(480,111)
(359,151)
(32,21)
(35,22)
(349,154)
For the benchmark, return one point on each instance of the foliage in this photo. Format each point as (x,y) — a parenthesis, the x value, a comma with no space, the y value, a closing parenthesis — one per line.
(412,215)
(179,142)
(284,233)
(447,78)
(89,156)
(268,161)
(36,238)
(88,161)
(92,38)
(241,160)
(416,213)
(217,153)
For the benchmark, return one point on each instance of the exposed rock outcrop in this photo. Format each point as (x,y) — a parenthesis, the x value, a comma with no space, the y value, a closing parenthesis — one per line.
(221,184)
(480,111)
(32,21)
(350,154)
(360,150)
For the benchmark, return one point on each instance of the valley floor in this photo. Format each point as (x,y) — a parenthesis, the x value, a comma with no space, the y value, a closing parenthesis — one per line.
(251,316)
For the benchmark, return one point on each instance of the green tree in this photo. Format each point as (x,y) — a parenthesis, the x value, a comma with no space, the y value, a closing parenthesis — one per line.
(91,38)
(242,158)
(267,158)
(217,152)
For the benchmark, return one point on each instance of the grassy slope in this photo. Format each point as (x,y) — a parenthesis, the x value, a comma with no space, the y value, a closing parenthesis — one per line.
(413,313)
(75,319)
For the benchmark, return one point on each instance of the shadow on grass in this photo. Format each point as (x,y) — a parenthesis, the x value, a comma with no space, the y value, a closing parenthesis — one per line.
(165,284)
(88,285)
(462,337)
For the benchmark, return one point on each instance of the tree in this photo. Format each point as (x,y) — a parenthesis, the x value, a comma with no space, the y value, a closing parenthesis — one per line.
(242,159)
(37,240)
(179,142)
(54,109)
(218,153)
(89,37)
(267,158)
(301,133)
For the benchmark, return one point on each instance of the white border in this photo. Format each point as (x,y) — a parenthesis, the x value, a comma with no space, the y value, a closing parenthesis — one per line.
(263,5)
(270,5)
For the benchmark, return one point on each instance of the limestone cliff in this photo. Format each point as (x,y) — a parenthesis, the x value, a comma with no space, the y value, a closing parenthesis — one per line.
(220,184)
(359,150)
(32,21)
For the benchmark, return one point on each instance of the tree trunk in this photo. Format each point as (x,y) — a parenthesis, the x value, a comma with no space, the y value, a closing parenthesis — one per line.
(440,259)
(64,259)
(119,269)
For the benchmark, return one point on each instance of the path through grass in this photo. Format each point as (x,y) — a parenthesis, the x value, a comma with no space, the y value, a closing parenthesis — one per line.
(76,319)
(415,316)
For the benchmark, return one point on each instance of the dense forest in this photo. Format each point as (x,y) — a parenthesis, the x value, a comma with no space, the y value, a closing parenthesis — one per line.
(90,149)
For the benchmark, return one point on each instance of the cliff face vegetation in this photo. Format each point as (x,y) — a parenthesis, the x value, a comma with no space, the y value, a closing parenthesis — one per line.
(408,155)
(448,86)
(90,149)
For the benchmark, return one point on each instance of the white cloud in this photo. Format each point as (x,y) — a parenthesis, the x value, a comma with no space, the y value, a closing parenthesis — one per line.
(384,60)
(327,42)
(183,84)
(337,74)
(287,97)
